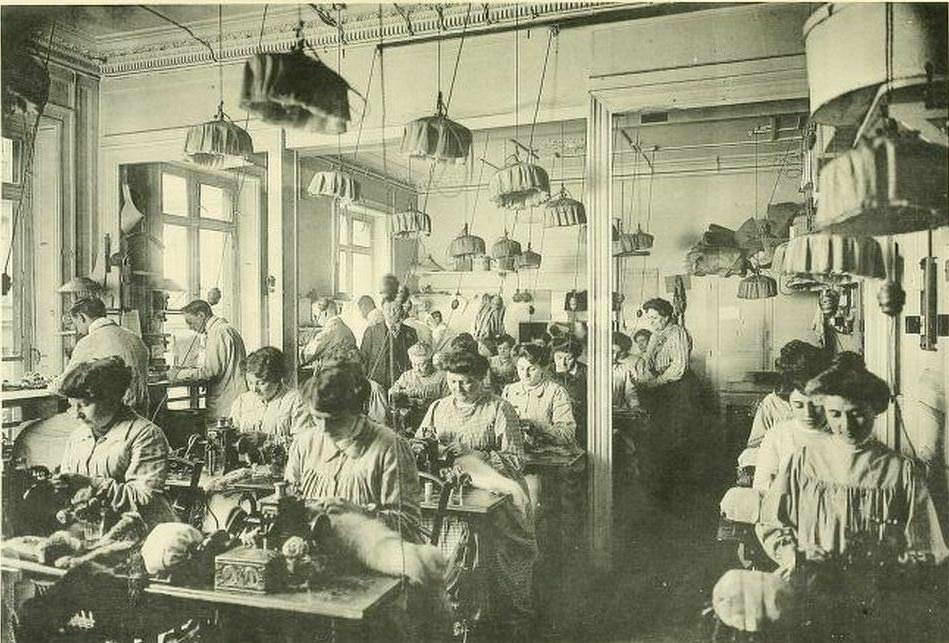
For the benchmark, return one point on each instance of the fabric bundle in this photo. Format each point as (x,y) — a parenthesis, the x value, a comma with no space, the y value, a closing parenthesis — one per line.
(217,142)
(411,224)
(336,184)
(892,185)
(295,90)
(520,185)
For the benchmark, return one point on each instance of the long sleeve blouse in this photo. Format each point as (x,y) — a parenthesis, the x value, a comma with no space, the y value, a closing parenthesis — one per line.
(779,444)
(130,459)
(668,355)
(284,415)
(374,468)
(828,492)
(547,406)
(222,366)
(771,410)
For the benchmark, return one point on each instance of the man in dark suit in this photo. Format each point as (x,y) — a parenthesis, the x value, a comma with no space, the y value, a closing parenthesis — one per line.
(385,347)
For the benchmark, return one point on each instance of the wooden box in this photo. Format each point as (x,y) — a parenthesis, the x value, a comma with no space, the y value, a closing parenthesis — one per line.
(248,569)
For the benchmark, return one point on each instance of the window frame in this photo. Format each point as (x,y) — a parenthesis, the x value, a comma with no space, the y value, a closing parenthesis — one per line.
(350,213)
(22,303)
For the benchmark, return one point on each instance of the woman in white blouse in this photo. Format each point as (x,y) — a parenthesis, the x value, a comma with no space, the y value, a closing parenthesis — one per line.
(269,406)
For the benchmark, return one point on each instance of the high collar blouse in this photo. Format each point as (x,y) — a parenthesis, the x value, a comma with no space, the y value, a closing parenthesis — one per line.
(283,415)
(547,406)
(827,492)
(374,469)
(771,410)
(780,443)
(130,459)
(667,355)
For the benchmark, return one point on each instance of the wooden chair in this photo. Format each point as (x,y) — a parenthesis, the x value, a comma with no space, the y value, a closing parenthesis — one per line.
(188,499)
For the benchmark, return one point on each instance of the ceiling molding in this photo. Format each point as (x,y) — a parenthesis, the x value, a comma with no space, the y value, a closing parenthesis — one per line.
(168,47)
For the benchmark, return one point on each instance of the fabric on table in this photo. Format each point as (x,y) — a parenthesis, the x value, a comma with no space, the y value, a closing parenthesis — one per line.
(827,493)
(771,410)
(283,415)
(105,339)
(131,459)
(373,468)
(778,444)
(223,358)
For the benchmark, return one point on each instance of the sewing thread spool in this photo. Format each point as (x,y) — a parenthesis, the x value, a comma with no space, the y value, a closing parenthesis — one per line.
(429,491)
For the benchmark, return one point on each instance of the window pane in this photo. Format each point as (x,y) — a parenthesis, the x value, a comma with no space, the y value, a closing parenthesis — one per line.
(362,233)
(175,262)
(216,257)
(213,205)
(11,160)
(343,285)
(10,335)
(342,223)
(174,194)
(362,274)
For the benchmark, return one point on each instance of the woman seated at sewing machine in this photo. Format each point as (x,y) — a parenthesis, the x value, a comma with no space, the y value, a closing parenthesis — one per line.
(481,432)
(115,452)
(418,387)
(542,404)
(349,459)
(837,504)
(502,367)
(269,406)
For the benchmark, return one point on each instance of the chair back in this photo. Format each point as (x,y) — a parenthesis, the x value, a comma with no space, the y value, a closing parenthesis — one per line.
(187,500)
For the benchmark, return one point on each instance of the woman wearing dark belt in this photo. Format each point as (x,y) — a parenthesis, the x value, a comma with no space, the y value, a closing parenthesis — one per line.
(669,392)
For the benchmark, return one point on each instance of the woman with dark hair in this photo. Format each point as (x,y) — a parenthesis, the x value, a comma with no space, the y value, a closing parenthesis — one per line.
(503,369)
(114,450)
(542,404)
(571,373)
(364,465)
(269,406)
(481,430)
(797,363)
(845,520)
(625,396)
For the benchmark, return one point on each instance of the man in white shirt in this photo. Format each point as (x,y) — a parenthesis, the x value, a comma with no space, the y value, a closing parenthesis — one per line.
(224,356)
(102,337)
(336,335)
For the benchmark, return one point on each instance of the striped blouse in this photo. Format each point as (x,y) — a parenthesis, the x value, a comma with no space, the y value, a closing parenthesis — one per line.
(668,354)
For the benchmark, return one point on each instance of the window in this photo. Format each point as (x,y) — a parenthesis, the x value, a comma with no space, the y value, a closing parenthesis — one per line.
(15,229)
(200,237)
(354,262)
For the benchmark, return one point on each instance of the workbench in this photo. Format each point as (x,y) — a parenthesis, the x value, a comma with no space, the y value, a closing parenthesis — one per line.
(344,603)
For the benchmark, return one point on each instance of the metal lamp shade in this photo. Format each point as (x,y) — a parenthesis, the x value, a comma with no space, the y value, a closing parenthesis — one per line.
(218,143)
(564,211)
(520,185)
(25,84)
(466,245)
(411,224)
(833,255)
(642,240)
(436,138)
(506,252)
(295,90)
(889,186)
(757,287)
(336,184)
(625,244)
(528,260)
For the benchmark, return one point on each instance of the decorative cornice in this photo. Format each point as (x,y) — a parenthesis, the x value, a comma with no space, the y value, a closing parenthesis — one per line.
(168,47)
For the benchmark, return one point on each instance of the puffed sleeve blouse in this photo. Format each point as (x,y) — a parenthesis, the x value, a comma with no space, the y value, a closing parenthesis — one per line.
(668,354)
(827,492)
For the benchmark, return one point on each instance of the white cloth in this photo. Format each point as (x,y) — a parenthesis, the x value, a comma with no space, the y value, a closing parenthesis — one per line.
(285,414)
(222,367)
(778,444)
(105,339)
(771,410)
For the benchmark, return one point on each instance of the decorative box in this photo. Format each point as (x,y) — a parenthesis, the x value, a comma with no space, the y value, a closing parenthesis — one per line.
(247,569)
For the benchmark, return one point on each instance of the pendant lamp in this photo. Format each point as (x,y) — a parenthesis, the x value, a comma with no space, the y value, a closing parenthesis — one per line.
(834,255)
(219,142)
(336,184)
(528,260)
(505,253)
(437,138)
(564,211)
(464,248)
(642,241)
(757,286)
(520,185)
(295,90)
(411,224)
(625,244)
(894,184)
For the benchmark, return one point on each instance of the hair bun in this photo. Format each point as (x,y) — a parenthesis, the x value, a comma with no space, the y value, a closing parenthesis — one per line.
(848,360)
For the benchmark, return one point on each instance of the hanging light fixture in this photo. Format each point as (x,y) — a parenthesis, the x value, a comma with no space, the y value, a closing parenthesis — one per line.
(464,248)
(834,255)
(528,260)
(757,286)
(411,224)
(219,142)
(505,253)
(335,183)
(522,184)
(625,244)
(894,184)
(563,210)
(438,138)
(295,90)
